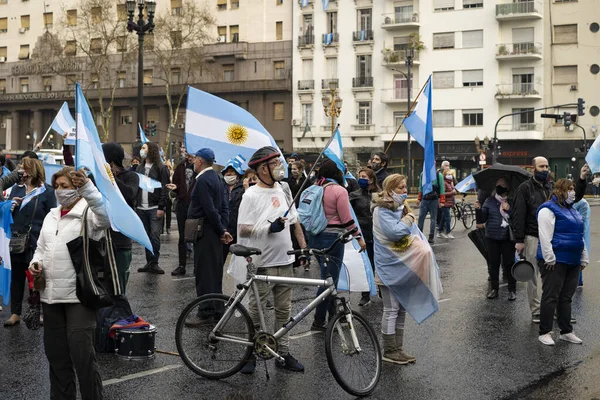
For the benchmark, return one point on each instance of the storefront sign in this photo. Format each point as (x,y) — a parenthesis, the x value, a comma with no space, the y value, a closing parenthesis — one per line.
(515,154)
(457,148)
(60,67)
(59,95)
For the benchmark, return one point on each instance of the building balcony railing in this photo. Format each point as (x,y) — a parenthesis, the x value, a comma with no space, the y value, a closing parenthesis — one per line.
(330,38)
(362,82)
(306,84)
(400,20)
(306,40)
(395,58)
(397,95)
(523,51)
(519,10)
(363,128)
(518,91)
(520,127)
(362,36)
(326,82)
(238,49)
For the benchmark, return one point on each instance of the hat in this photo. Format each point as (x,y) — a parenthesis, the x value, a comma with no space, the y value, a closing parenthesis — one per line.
(206,154)
(294,155)
(113,152)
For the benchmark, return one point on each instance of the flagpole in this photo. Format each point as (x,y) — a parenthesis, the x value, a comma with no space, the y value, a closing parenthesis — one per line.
(43,138)
(76,130)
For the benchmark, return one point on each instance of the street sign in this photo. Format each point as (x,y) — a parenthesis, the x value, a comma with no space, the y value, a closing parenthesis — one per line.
(482,157)
(482,162)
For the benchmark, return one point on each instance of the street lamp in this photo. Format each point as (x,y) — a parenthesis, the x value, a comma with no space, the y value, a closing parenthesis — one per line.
(140,27)
(332,104)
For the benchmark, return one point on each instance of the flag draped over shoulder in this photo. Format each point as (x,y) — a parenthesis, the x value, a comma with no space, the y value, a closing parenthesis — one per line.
(466,184)
(148,184)
(64,122)
(6,221)
(89,154)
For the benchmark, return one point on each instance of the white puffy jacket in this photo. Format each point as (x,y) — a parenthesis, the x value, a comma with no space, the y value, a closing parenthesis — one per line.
(52,251)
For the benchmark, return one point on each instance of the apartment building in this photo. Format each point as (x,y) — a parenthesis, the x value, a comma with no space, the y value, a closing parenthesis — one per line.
(247,61)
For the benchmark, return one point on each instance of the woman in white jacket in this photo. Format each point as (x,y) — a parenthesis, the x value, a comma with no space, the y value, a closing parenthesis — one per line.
(68,325)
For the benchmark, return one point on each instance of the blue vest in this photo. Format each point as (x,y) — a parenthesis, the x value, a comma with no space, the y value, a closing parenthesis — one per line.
(567,242)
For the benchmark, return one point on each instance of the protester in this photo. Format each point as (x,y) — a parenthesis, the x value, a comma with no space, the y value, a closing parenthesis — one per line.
(68,325)
(529,196)
(129,186)
(151,206)
(67,153)
(336,206)
(450,192)
(29,154)
(8,163)
(4,171)
(596,185)
(351,182)
(210,208)
(169,205)
(135,162)
(562,255)
(32,201)
(250,178)
(262,224)
(8,181)
(361,204)
(496,214)
(430,202)
(379,164)
(232,174)
(296,179)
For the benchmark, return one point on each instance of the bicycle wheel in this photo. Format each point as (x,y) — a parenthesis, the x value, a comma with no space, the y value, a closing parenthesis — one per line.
(208,356)
(453,219)
(357,372)
(468,216)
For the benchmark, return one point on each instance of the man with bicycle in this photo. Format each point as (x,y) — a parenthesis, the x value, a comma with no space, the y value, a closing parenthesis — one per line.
(264,222)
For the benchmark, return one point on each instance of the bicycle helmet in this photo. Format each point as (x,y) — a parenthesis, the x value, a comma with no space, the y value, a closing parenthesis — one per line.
(262,155)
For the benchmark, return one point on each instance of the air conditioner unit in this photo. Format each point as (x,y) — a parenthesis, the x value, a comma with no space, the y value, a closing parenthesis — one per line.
(222,39)
(573,87)
(415,17)
(296,122)
(22,30)
(180,126)
(2,59)
(3,126)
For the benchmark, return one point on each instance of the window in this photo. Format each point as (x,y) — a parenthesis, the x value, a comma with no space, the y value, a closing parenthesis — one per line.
(96,14)
(2,85)
(401,43)
(126,117)
(121,44)
(443,79)
(176,39)
(71,48)
(365,20)
(565,34)
(96,46)
(24,52)
(443,40)
(3,25)
(363,66)
(330,67)
(523,35)
(148,77)
(3,52)
(222,32)
(228,72)
(364,113)
(278,111)
(221,5)
(443,118)
(47,81)
(307,69)
(95,81)
(472,39)
(403,13)
(565,75)
(472,3)
(331,22)
(24,83)
(472,77)
(279,69)
(48,20)
(121,79)
(525,121)
(71,17)
(121,12)
(175,76)
(278,2)
(522,81)
(443,5)
(25,22)
(279,30)
(235,4)
(234,33)
(70,80)
(307,114)
(472,117)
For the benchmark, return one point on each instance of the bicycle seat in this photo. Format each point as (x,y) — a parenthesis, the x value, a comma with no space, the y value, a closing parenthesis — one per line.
(243,251)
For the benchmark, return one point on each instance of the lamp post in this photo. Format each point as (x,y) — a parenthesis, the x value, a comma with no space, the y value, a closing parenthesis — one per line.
(332,104)
(140,27)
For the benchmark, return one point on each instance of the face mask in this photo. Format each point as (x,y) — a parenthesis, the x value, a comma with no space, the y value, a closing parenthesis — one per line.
(278,172)
(251,183)
(399,197)
(230,180)
(375,166)
(363,183)
(541,176)
(570,197)
(143,153)
(295,174)
(66,197)
(501,190)
(449,177)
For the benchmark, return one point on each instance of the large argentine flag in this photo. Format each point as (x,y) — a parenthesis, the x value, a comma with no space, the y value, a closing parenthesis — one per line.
(335,152)
(225,128)
(466,184)
(6,221)
(50,170)
(89,154)
(64,122)
(593,156)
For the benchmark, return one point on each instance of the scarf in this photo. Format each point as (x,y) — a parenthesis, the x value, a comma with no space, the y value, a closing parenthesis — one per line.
(504,214)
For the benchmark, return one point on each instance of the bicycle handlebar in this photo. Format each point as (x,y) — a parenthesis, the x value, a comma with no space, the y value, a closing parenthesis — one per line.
(343,238)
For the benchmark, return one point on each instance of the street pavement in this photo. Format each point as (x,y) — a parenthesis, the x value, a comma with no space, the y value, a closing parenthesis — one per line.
(473,348)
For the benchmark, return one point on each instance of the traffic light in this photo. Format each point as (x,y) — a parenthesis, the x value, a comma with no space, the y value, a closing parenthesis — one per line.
(153,129)
(567,119)
(146,130)
(580,107)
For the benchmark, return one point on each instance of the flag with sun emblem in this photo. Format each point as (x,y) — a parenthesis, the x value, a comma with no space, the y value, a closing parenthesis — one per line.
(223,127)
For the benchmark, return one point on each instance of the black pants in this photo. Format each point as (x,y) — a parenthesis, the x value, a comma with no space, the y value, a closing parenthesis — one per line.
(19,265)
(501,252)
(558,288)
(69,342)
(181,213)
(208,266)
(371,254)
(168,213)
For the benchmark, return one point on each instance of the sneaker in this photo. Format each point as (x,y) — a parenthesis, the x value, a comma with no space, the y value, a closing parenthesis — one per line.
(269,305)
(535,318)
(290,363)
(444,236)
(145,268)
(168,231)
(492,294)
(547,339)
(250,366)
(571,338)
(395,357)
(431,240)
(178,271)
(512,296)
(196,321)
(439,235)
(364,301)
(449,236)
(317,327)
(155,269)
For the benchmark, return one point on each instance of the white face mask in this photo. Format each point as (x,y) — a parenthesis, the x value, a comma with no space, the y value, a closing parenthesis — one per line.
(143,153)
(66,197)
(448,177)
(278,172)
(570,197)
(399,197)
(230,180)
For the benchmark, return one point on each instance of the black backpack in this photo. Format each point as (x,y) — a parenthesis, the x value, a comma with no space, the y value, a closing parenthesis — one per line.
(105,318)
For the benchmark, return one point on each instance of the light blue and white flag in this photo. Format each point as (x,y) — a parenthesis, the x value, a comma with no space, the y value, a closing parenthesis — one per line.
(304,3)
(143,137)
(466,184)
(64,122)
(328,39)
(420,126)
(89,153)
(363,36)
(222,126)
(148,184)
(335,152)
(6,221)
(237,164)
(35,192)
(5,172)
(593,156)
(50,170)
(325,4)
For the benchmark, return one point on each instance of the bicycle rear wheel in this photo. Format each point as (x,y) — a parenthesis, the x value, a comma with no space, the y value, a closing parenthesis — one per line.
(203,352)
(468,217)
(453,219)
(357,372)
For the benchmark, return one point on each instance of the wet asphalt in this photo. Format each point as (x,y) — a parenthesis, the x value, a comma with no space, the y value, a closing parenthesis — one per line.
(473,348)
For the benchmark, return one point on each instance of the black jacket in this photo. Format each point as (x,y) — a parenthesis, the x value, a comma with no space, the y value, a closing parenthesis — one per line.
(295,187)
(361,204)
(382,173)
(235,199)
(159,196)
(208,201)
(352,185)
(129,185)
(491,216)
(529,196)
(8,181)
(580,188)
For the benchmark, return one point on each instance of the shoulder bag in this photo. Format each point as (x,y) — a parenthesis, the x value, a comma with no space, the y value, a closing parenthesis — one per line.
(194,229)
(20,242)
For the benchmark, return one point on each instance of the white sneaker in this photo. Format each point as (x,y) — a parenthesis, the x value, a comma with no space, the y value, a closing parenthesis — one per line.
(547,339)
(439,235)
(570,337)
(449,236)
(445,236)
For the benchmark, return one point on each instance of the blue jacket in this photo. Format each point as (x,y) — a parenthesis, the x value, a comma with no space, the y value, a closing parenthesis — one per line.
(490,215)
(208,201)
(567,241)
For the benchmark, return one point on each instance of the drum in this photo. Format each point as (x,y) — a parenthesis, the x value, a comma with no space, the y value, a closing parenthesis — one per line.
(135,344)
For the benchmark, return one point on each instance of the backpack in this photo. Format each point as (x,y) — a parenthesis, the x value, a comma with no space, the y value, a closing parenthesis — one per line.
(310,210)
(105,318)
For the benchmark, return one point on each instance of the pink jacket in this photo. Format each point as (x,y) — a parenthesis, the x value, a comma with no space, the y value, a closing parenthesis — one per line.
(336,206)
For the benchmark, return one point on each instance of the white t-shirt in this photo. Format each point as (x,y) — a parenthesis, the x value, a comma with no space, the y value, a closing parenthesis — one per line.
(144,205)
(258,207)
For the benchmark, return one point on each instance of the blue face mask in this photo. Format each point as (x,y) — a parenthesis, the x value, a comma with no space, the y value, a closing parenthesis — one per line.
(541,176)
(363,183)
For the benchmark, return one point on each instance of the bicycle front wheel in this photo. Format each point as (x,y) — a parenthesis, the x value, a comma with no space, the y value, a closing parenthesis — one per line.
(204,352)
(453,218)
(356,370)
(468,217)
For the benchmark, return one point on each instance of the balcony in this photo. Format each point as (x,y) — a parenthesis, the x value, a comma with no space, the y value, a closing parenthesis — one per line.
(325,83)
(520,131)
(397,58)
(331,39)
(362,36)
(362,82)
(400,21)
(238,50)
(519,11)
(394,96)
(306,85)
(513,91)
(306,40)
(519,51)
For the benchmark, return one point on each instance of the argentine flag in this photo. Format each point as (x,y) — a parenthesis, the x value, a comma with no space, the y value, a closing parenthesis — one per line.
(593,156)
(89,154)
(223,127)
(64,122)
(466,184)
(148,184)
(325,4)
(5,268)
(143,137)
(50,170)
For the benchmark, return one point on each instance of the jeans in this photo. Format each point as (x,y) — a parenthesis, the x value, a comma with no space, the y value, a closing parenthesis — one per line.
(501,252)
(123,260)
(444,220)
(533,286)
(20,263)
(181,213)
(153,225)
(322,241)
(431,207)
(559,286)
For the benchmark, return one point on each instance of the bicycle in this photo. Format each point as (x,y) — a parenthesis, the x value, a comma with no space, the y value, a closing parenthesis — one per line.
(220,348)
(462,211)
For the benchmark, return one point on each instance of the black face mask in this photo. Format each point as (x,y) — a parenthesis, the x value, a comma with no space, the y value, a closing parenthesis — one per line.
(501,190)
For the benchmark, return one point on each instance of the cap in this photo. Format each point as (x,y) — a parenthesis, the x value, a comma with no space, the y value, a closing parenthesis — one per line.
(206,154)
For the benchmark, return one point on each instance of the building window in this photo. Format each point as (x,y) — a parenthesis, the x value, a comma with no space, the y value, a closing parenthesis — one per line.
(121,79)
(364,113)
(2,85)
(96,46)
(3,53)
(524,121)
(24,83)
(331,67)
(472,77)
(221,5)
(121,44)
(71,48)
(472,3)
(279,69)
(278,2)
(48,20)
(307,114)
(522,81)
(3,25)
(122,12)
(71,17)
(278,111)
(234,33)
(279,30)
(443,40)
(235,4)
(148,77)
(331,22)
(47,81)
(565,75)
(71,80)
(176,39)
(176,7)
(25,22)
(365,20)
(443,5)
(443,118)
(222,32)
(24,52)
(443,79)
(472,39)
(523,35)
(95,81)
(126,117)
(175,76)
(565,34)
(228,72)
(403,13)
(363,66)
(96,15)
(472,117)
